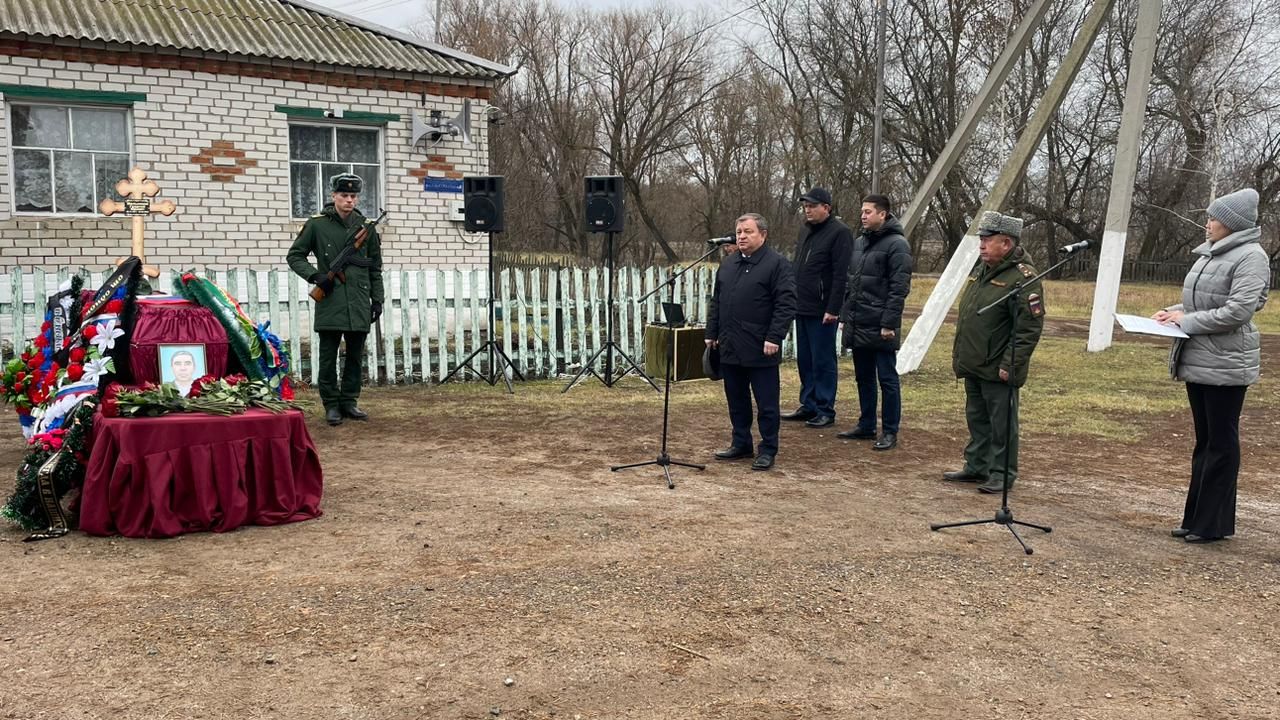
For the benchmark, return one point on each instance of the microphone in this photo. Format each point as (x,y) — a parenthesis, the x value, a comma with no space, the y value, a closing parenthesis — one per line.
(1074,247)
(726,240)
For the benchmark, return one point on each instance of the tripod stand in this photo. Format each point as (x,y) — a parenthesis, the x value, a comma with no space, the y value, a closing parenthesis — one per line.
(610,347)
(1004,516)
(674,315)
(498,360)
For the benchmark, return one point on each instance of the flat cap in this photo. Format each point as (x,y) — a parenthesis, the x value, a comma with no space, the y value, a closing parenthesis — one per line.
(817,196)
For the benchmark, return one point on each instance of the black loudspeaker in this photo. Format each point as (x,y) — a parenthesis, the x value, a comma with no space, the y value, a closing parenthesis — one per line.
(605,209)
(482,203)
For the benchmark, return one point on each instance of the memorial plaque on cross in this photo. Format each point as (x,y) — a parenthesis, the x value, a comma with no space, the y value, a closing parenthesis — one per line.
(137,192)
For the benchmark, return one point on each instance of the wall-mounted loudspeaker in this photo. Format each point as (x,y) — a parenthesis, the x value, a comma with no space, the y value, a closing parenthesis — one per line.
(605,210)
(482,203)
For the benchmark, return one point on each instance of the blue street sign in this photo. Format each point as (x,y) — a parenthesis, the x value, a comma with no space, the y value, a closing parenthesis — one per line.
(441,185)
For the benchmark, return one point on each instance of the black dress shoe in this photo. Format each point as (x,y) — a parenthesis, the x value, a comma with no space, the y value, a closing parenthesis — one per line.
(1180,532)
(762,462)
(355,413)
(734,453)
(1200,539)
(856,434)
(887,441)
(962,476)
(334,416)
(799,414)
(820,421)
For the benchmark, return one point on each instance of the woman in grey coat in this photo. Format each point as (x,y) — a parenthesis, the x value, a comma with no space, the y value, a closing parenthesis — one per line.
(1221,358)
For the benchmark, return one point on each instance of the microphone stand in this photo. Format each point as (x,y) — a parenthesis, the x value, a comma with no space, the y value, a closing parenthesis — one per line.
(1004,516)
(664,460)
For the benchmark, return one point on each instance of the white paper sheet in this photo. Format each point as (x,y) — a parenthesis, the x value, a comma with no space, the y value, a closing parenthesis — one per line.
(1147,326)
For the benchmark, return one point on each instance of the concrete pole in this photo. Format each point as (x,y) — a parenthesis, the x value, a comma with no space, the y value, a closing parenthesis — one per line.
(925,328)
(1114,238)
(882,16)
(969,122)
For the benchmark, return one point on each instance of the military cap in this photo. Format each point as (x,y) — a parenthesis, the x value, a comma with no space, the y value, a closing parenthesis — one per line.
(711,363)
(993,223)
(345,183)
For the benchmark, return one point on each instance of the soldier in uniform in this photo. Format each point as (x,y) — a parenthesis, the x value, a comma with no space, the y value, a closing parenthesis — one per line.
(350,307)
(983,346)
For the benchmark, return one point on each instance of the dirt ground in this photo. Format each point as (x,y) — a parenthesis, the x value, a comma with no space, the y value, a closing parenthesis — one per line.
(478,559)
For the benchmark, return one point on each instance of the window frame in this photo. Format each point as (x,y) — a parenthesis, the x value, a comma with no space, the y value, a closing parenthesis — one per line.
(334,127)
(66,106)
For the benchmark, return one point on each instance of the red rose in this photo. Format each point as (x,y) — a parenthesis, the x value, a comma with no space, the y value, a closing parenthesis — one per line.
(40,342)
(77,355)
(90,331)
(75,372)
(235,379)
(21,376)
(286,390)
(45,327)
(115,306)
(54,368)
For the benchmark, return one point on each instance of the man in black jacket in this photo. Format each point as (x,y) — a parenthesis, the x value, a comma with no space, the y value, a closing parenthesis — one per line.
(879,281)
(822,261)
(751,310)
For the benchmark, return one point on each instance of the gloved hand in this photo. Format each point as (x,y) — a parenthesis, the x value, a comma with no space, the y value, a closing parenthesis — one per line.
(322,281)
(377,313)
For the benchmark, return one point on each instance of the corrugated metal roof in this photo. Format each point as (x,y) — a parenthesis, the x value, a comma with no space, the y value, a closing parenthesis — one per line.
(286,29)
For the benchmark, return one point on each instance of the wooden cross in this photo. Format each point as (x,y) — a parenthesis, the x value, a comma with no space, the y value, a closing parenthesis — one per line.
(137,191)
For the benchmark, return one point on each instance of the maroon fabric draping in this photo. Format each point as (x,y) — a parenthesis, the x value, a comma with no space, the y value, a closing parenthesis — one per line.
(164,476)
(182,323)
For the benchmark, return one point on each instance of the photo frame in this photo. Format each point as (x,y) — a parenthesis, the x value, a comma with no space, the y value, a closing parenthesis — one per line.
(181,365)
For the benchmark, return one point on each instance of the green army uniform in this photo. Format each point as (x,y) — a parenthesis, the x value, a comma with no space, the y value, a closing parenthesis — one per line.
(982,350)
(351,307)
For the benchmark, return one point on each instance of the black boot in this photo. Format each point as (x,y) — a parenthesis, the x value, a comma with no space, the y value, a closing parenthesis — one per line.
(333,415)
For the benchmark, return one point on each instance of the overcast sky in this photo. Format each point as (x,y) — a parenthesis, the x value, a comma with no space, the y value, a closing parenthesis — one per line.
(401,14)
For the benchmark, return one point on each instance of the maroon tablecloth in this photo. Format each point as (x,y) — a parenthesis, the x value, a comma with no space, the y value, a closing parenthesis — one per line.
(164,476)
(178,323)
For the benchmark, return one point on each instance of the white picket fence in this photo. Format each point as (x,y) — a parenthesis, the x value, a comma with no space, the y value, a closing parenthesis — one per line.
(549,321)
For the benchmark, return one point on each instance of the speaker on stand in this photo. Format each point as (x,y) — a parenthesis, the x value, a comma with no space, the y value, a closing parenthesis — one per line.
(605,212)
(482,206)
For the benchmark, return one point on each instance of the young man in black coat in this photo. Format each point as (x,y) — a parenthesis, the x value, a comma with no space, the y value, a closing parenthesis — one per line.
(821,264)
(751,310)
(879,281)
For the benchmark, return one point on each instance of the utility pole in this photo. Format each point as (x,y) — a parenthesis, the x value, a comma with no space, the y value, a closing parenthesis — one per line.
(882,16)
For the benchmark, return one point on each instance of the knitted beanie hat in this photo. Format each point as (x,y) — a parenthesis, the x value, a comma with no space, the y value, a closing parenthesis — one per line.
(1238,211)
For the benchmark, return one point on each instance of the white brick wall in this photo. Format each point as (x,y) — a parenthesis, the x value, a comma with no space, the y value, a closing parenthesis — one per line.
(245,222)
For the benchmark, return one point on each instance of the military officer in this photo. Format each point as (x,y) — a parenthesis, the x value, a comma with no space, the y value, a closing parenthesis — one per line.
(349,307)
(991,355)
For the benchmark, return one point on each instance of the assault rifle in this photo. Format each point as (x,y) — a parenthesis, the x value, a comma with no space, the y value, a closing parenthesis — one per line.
(347,256)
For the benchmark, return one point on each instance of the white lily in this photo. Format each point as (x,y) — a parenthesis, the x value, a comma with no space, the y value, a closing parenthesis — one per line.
(107,334)
(96,368)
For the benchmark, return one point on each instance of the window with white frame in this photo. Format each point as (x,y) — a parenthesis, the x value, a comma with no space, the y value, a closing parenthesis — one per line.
(318,152)
(67,159)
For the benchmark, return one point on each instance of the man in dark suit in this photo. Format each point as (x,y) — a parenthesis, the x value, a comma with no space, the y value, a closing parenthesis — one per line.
(751,311)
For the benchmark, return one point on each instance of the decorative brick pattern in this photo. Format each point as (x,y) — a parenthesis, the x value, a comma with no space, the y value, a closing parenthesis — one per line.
(222,162)
(213,142)
(435,166)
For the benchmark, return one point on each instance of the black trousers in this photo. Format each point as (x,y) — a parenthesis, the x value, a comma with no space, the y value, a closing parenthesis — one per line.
(740,383)
(333,394)
(1215,462)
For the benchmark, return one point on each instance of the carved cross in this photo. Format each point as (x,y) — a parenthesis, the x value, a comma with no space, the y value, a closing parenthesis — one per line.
(137,191)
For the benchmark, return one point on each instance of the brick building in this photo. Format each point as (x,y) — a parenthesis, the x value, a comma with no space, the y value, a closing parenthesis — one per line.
(238,109)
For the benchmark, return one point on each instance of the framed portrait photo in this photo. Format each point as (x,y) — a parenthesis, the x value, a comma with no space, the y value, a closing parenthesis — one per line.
(181,365)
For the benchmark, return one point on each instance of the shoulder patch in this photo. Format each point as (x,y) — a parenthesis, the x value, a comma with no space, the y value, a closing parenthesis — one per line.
(1027,270)
(1036,303)
(318,215)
